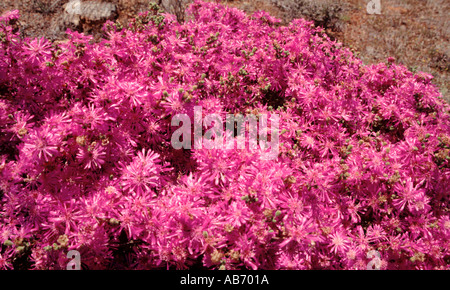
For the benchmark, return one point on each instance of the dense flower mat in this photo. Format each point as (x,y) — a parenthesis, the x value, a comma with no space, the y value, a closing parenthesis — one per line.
(86,161)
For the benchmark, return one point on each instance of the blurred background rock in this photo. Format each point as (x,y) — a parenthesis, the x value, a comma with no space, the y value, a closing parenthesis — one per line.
(415,32)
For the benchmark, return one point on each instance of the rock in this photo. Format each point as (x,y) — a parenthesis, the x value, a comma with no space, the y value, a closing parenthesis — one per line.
(77,10)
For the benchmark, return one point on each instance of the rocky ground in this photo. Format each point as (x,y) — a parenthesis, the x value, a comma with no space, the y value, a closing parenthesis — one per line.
(415,32)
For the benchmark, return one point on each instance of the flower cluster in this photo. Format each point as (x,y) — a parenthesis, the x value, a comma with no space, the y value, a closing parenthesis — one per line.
(86,161)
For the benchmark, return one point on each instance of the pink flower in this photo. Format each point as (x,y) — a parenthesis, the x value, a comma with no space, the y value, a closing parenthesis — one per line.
(92,117)
(407,193)
(237,213)
(376,233)
(143,173)
(300,230)
(92,156)
(5,264)
(38,51)
(132,91)
(41,144)
(339,242)
(22,124)
(86,161)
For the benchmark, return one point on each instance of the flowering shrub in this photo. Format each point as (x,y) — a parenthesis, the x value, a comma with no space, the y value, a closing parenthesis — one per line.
(86,161)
